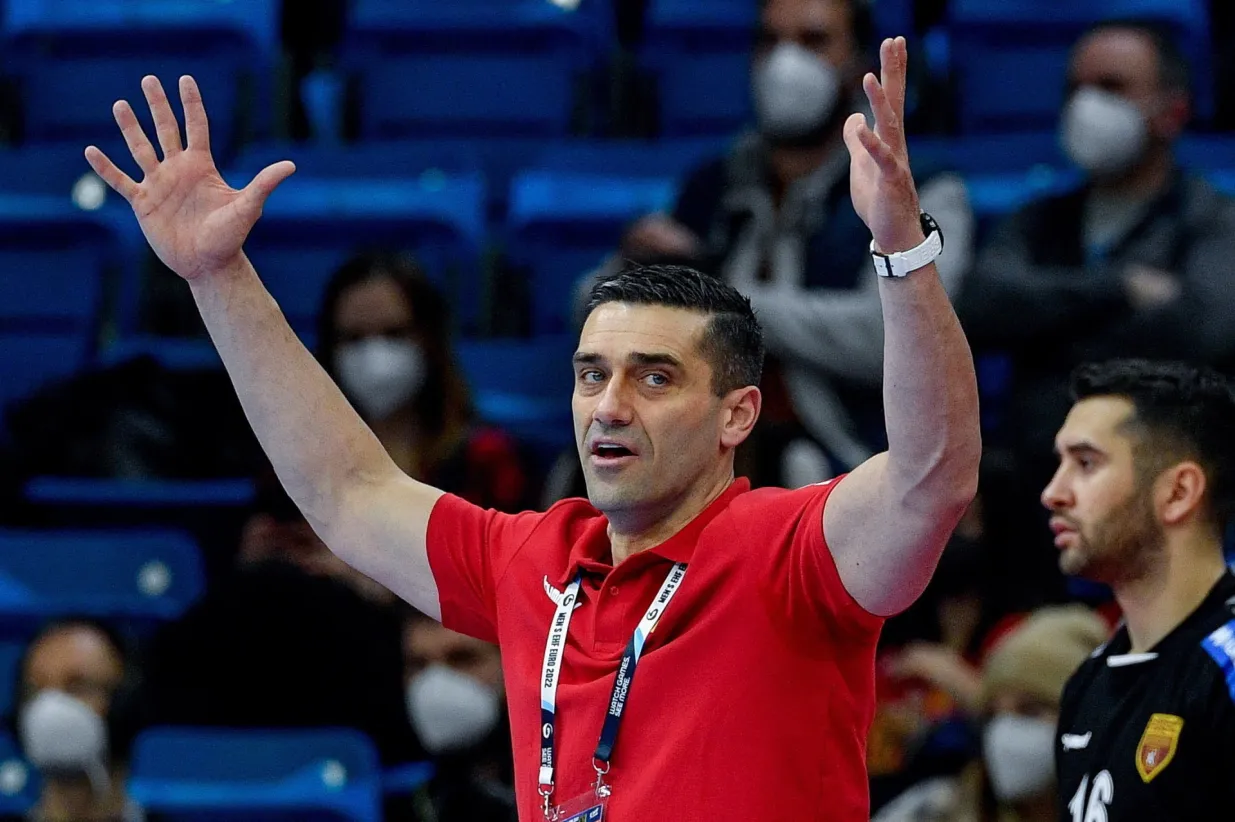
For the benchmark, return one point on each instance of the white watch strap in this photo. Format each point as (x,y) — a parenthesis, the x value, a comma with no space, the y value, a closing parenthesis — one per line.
(903,262)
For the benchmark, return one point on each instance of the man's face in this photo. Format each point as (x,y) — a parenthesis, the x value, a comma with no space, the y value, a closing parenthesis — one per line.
(78,661)
(1125,63)
(428,643)
(1102,510)
(823,27)
(647,424)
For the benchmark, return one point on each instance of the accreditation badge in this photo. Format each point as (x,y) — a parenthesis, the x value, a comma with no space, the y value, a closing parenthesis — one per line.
(586,808)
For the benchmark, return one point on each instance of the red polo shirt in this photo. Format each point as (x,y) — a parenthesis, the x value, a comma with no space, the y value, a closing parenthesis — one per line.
(753,696)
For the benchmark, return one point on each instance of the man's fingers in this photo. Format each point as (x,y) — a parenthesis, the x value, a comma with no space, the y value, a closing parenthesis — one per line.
(854,122)
(196,126)
(887,121)
(879,150)
(111,174)
(267,180)
(893,70)
(135,138)
(165,125)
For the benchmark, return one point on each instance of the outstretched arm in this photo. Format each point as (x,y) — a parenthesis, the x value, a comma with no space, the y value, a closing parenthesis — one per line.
(369,513)
(887,522)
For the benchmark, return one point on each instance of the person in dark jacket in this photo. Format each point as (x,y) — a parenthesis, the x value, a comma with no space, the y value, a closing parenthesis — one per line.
(1137,261)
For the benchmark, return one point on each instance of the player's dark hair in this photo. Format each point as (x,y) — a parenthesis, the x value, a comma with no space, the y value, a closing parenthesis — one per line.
(1181,412)
(1174,73)
(732,342)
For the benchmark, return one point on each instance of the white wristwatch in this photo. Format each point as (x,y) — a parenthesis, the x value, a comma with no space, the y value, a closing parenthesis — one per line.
(903,262)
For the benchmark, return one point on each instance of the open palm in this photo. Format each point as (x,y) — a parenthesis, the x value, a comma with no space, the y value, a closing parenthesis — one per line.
(194,221)
(880,182)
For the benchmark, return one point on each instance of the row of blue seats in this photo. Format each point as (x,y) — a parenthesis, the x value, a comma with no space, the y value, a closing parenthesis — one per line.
(565,211)
(510,68)
(180,774)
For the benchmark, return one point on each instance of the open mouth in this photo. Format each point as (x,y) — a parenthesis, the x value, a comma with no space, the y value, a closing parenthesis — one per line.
(610,451)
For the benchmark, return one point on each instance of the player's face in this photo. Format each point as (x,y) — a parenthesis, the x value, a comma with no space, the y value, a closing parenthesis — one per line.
(647,424)
(1102,515)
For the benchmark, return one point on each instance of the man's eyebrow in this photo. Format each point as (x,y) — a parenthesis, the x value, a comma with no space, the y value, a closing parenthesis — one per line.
(586,358)
(1080,449)
(641,358)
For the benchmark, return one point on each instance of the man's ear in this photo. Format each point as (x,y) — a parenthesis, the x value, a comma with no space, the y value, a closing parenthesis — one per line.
(1179,493)
(741,408)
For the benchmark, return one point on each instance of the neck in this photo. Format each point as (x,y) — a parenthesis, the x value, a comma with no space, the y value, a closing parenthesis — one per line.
(1144,180)
(73,800)
(629,535)
(1156,601)
(1041,808)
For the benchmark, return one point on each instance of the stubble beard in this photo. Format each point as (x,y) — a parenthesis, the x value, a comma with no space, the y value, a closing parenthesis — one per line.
(1121,546)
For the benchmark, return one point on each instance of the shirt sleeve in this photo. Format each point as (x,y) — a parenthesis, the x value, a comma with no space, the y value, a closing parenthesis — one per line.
(799,576)
(469,548)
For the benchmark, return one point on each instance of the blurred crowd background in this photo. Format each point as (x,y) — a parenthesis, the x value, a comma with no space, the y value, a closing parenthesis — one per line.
(175,640)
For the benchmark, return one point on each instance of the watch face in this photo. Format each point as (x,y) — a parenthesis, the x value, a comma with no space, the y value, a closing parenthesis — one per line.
(929,225)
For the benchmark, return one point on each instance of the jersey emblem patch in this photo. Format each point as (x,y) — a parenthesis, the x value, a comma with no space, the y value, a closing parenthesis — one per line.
(1157,746)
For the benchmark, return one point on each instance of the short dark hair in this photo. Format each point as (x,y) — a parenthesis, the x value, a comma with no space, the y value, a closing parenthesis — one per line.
(1174,72)
(861,24)
(1180,411)
(733,341)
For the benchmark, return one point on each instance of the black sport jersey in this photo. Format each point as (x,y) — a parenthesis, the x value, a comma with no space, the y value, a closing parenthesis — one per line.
(1152,736)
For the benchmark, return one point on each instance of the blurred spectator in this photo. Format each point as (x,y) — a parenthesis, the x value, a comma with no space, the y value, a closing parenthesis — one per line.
(384,336)
(287,640)
(456,701)
(76,718)
(1022,682)
(773,217)
(928,678)
(311,32)
(1135,262)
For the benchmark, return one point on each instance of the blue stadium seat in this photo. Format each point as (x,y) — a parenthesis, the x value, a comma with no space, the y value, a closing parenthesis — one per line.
(53,265)
(476,68)
(700,53)
(524,386)
(183,774)
(140,576)
(19,782)
(629,158)
(562,225)
(311,226)
(1010,152)
(1010,56)
(73,58)
(10,659)
(28,361)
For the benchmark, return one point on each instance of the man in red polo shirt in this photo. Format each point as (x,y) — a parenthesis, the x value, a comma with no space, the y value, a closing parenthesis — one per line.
(754,614)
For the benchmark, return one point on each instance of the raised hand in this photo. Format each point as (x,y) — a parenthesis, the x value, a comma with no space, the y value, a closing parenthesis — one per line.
(880,181)
(194,221)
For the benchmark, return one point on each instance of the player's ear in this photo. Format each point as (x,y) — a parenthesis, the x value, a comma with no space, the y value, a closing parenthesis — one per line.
(1179,493)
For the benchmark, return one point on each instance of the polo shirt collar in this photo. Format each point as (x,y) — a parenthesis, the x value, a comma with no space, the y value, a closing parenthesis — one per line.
(592,554)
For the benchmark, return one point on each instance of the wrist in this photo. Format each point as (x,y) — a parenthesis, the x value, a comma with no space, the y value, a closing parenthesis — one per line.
(910,238)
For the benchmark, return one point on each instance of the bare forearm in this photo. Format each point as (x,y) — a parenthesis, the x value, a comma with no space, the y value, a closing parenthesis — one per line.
(930,394)
(318,445)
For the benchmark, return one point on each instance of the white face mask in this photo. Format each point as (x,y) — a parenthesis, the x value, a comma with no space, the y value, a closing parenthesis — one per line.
(795,92)
(1020,756)
(381,374)
(449,710)
(1102,132)
(60,733)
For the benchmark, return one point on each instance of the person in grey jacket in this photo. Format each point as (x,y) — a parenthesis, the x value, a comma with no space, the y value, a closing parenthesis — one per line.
(773,218)
(1137,261)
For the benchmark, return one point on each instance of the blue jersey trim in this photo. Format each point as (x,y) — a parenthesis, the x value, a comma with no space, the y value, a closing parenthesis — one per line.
(1221,646)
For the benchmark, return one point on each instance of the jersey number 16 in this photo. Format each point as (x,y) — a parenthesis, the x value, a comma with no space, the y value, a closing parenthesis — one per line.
(1099,798)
